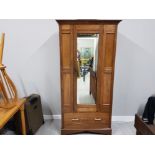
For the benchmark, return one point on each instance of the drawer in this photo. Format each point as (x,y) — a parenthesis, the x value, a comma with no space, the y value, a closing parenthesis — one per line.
(86,120)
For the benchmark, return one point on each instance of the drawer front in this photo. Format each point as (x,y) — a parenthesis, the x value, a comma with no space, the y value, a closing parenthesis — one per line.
(86,120)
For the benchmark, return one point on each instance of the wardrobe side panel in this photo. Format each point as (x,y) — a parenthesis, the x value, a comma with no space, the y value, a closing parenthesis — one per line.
(109,43)
(66,42)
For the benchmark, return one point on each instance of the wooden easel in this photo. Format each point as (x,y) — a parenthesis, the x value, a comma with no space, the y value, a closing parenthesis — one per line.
(8,92)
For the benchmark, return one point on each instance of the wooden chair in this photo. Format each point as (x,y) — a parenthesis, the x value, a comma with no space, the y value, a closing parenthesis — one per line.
(8,92)
(10,104)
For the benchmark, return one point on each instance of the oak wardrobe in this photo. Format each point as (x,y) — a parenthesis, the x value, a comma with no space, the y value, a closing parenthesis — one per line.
(87,59)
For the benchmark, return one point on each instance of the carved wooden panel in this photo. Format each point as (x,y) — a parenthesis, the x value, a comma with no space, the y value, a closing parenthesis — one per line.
(107,86)
(67,92)
(66,46)
(66,42)
(109,42)
(66,27)
(87,27)
(109,49)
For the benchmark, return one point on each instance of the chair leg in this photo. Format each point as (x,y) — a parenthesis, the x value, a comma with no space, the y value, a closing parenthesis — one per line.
(23,120)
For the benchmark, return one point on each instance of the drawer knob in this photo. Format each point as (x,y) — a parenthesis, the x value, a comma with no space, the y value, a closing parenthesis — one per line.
(75,119)
(97,119)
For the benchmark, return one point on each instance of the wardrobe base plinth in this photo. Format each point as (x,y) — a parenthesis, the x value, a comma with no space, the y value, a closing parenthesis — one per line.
(105,131)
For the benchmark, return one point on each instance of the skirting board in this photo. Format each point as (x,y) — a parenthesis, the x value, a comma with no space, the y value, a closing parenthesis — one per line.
(114,118)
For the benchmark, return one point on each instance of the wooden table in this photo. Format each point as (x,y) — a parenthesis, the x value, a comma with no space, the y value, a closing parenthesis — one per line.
(7,114)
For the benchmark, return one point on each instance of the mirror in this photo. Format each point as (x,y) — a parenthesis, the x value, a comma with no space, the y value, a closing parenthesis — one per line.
(87,57)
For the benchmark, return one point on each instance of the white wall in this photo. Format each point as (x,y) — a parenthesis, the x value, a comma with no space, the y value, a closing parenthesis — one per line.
(31,55)
(32,58)
(135,62)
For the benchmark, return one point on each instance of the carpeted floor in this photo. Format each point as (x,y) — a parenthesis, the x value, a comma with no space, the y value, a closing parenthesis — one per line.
(119,128)
(52,127)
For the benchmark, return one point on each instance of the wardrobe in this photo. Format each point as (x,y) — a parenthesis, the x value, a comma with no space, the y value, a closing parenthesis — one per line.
(87,60)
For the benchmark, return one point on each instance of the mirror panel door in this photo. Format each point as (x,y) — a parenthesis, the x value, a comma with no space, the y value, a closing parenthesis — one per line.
(87,60)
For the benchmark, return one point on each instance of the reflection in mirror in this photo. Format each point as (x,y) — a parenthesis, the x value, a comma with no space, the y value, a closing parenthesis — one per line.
(87,55)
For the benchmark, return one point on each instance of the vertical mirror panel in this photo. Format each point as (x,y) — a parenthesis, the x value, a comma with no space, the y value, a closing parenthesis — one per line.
(87,58)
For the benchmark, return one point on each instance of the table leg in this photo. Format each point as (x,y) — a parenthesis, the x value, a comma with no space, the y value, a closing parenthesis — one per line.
(23,120)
